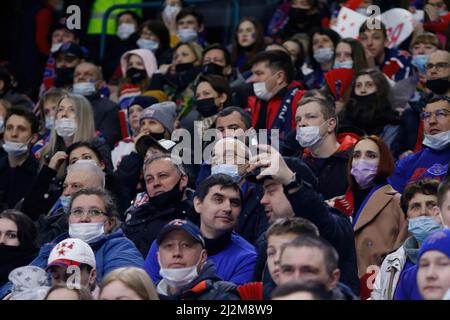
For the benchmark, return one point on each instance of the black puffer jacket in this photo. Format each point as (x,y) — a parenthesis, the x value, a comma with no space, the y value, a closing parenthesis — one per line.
(207,286)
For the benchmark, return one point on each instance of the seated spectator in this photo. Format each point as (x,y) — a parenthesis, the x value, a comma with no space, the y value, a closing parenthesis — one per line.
(432,161)
(67,58)
(62,292)
(444,202)
(368,106)
(189,26)
(309,290)
(438,73)
(248,40)
(4,107)
(127,284)
(437,18)
(169,16)
(182,246)
(276,94)
(323,42)
(418,201)
(218,202)
(298,56)
(433,274)
(87,81)
(72,263)
(392,62)
(18,166)
(8,90)
(17,242)
(155,37)
(313,253)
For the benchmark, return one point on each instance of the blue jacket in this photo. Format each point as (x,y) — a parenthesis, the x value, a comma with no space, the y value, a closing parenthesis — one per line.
(427,163)
(407,288)
(112,251)
(234,264)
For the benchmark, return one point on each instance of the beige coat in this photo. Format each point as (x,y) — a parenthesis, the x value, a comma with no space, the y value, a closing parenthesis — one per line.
(381,228)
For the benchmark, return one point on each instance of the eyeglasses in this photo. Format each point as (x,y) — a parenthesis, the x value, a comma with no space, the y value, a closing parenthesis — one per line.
(440,114)
(439,66)
(78,212)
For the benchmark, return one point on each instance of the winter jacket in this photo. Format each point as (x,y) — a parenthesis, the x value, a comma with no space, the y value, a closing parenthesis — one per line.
(333,226)
(407,288)
(106,118)
(207,286)
(425,164)
(272,107)
(15,182)
(146,221)
(234,259)
(112,251)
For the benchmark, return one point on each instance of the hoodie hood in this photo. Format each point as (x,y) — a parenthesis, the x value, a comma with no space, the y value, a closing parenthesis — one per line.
(147,56)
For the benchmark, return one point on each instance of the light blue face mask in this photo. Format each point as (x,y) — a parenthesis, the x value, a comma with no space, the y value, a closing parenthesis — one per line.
(49,122)
(148,44)
(419,61)
(343,65)
(65,201)
(228,169)
(422,226)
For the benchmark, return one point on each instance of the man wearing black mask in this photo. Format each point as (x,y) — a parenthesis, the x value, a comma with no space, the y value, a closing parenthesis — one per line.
(438,73)
(67,58)
(169,198)
(216,60)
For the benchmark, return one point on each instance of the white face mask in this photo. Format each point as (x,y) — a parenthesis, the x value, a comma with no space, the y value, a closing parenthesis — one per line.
(231,170)
(87,231)
(179,277)
(324,55)
(15,149)
(187,35)
(169,11)
(437,141)
(125,30)
(55,47)
(87,161)
(148,44)
(309,136)
(261,92)
(84,88)
(49,122)
(65,127)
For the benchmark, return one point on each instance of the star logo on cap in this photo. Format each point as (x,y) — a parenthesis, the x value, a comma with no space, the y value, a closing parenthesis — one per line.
(61,252)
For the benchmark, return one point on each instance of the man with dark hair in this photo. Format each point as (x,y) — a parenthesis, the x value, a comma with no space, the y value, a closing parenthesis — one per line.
(276,94)
(432,161)
(309,290)
(316,255)
(233,122)
(289,191)
(218,201)
(18,166)
(419,202)
(443,196)
(217,60)
(189,25)
(394,63)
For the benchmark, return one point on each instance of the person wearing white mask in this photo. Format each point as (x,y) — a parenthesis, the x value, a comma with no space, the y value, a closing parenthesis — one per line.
(185,271)
(88,81)
(18,165)
(94,219)
(189,26)
(432,161)
(276,94)
(419,202)
(324,150)
(127,24)
(155,37)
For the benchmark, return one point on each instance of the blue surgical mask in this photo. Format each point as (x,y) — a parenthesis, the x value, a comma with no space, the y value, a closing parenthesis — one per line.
(65,201)
(421,227)
(49,122)
(84,88)
(343,65)
(231,170)
(148,44)
(15,149)
(419,61)
(187,35)
(324,55)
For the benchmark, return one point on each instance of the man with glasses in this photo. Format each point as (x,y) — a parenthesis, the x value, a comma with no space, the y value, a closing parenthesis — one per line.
(438,73)
(94,219)
(432,161)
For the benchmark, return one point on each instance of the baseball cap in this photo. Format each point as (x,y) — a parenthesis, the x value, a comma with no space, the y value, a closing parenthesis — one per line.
(147,141)
(73,50)
(179,224)
(71,252)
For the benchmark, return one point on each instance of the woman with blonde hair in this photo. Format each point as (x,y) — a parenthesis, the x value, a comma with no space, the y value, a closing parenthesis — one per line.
(128,283)
(74,121)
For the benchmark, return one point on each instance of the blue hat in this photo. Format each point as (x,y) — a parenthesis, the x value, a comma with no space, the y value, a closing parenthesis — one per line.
(142,101)
(179,224)
(439,241)
(72,49)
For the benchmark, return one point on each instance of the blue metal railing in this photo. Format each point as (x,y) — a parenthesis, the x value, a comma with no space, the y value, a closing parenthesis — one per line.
(228,31)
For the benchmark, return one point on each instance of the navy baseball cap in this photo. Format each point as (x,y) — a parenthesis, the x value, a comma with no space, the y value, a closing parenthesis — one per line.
(73,50)
(179,224)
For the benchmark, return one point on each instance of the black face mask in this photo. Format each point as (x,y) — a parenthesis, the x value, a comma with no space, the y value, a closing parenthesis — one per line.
(157,136)
(212,68)
(366,100)
(438,86)
(182,67)
(64,77)
(207,107)
(136,75)
(298,15)
(166,199)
